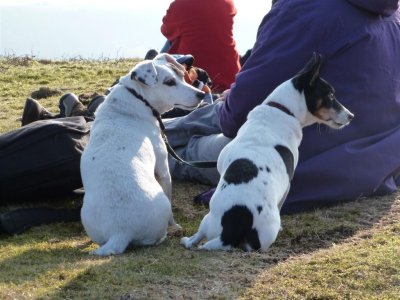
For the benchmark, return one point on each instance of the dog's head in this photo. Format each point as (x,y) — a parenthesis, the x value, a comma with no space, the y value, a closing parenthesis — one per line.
(161,82)
(322,105)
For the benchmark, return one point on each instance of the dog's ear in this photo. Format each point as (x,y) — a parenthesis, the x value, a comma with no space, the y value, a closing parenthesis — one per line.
(309,74)
(170,59)
(145,72)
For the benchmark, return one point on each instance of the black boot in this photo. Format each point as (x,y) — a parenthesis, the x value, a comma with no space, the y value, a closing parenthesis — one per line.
(71,106)
(95,102)
(33,111)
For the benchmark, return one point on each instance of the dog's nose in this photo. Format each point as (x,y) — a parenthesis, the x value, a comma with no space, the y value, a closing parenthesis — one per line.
(200,95)
(350,116)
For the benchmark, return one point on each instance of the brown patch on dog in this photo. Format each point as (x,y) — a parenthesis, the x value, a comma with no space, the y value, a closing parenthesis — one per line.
(322,112)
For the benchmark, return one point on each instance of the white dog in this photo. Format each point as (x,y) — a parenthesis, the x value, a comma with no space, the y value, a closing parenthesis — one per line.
(124,166)
(257,166)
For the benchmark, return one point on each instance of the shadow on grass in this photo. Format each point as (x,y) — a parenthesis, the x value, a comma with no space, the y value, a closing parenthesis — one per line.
(170,271)
(178,273)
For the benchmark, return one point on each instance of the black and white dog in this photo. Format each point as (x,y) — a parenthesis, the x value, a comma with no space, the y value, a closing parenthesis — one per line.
(257,166)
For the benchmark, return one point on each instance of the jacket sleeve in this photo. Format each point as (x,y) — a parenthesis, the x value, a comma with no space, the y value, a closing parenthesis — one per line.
(170,27)
(284,44)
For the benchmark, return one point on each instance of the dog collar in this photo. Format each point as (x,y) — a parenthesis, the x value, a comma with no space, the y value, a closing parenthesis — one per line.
(156,114)
(281,107)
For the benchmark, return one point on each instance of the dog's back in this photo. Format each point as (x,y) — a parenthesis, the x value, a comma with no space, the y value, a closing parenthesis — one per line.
(256,170)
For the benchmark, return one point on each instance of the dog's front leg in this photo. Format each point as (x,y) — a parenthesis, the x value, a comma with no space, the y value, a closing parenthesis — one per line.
(215,244)
(161,171)
(163,177)
(189,242)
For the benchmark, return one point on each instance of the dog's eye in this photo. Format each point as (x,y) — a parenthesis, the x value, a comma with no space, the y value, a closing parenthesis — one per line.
(170,82)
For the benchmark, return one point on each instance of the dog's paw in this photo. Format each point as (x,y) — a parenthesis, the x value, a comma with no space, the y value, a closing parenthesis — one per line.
(201,247)
(185,242)
(98,252)
(101,251)
(215,244)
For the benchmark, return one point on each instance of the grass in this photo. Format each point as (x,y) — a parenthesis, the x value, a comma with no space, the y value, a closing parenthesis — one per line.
(349,251)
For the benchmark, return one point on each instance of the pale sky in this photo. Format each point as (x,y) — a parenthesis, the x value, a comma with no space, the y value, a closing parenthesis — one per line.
(101,28)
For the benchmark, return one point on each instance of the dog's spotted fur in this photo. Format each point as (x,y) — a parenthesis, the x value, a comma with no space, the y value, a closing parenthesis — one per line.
(257,166)
(288,159)
(240,171)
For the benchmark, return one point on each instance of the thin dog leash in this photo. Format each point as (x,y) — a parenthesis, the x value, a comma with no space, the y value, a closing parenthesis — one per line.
(156,114)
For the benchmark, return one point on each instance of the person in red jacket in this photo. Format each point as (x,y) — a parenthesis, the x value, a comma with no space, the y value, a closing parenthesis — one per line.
(204,29)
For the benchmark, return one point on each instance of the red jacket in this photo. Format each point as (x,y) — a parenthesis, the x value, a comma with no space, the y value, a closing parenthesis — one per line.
(204,28)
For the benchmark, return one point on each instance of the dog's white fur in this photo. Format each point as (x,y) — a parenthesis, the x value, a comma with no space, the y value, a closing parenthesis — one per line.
(124,166)
(265,128)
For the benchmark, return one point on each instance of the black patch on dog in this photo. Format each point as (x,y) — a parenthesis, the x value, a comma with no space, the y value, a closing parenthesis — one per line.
(259,209)
(237,228)
(320,94)
(288,159)
(317,91)
(268,169)
(223,186)
(200,95)
(196,83)
(241,170)
(261,169)
(134,77)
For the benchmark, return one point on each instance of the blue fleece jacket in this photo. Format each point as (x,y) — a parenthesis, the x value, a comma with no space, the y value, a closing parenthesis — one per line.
(360,44)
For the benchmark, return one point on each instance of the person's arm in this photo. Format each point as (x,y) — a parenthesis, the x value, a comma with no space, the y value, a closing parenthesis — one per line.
(166,47)
(170,27)
(285,41)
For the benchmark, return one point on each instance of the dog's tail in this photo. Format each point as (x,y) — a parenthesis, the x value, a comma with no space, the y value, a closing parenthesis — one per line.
(237,228)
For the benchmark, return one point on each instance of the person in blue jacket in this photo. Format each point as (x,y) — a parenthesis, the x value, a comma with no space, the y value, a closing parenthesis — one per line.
(359,41)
